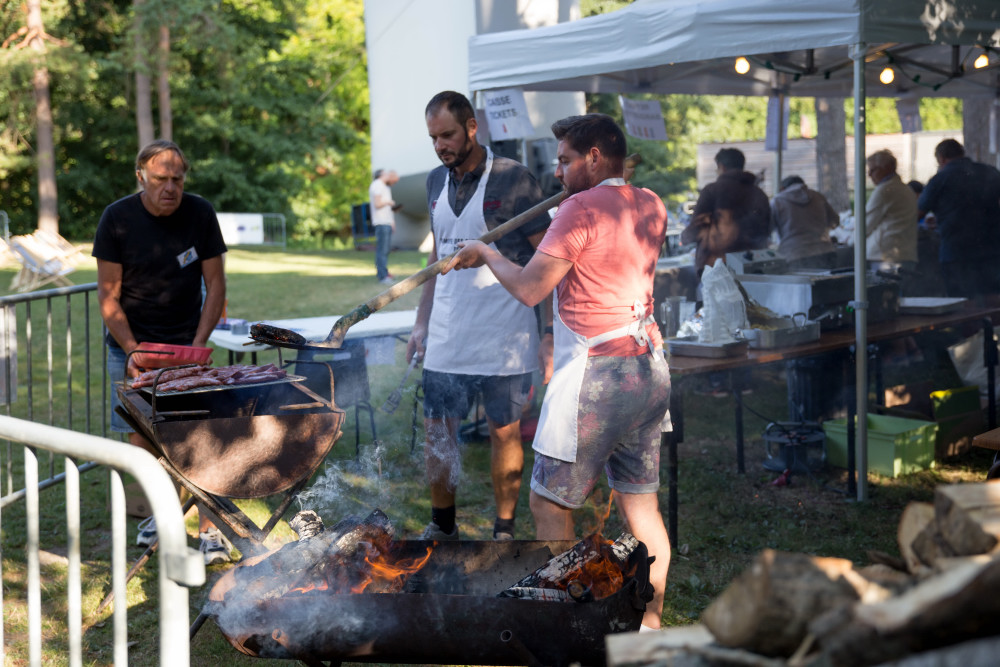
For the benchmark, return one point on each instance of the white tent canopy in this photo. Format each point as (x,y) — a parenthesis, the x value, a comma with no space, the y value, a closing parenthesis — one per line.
(805,48)
(688,46)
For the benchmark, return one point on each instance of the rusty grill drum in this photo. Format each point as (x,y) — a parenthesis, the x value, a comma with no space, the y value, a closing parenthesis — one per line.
(238,441)
(448,614)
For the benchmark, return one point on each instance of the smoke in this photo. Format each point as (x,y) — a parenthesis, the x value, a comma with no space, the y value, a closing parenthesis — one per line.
(353,487)
(443,455)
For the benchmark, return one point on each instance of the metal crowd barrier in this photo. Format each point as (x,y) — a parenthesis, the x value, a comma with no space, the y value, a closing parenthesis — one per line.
(179,565)
(54,389)
(52,362)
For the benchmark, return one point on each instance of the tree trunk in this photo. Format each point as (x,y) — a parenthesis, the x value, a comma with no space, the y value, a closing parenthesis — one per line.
(976,128)
(163,87)
(831,152)
(48,199)
(143,89)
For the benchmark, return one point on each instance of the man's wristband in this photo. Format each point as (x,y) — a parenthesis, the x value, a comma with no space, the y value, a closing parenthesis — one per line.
(548,330)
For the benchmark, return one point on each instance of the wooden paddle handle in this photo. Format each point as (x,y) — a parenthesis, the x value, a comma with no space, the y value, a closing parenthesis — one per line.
(410,283)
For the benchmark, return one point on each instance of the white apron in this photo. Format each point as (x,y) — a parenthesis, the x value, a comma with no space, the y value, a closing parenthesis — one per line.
(556,435)
(476,326)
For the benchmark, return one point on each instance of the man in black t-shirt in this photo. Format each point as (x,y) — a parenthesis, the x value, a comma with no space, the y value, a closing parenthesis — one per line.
(154,249)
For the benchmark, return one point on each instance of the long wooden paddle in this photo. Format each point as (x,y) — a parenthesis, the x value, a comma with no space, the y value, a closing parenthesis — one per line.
(276,336)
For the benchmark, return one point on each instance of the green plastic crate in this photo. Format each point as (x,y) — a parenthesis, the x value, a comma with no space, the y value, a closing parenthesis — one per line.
(960,418)
(896,446)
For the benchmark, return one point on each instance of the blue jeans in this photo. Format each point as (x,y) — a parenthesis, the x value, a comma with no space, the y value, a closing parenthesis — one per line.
(383,242)
(116,373)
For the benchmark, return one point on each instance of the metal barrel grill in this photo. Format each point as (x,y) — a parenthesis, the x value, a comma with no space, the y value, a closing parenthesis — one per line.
(238,441)
(448,613)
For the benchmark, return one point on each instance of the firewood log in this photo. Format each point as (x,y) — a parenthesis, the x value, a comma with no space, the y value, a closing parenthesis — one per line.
(977,652)
(690,645)
(767,608)
(947,608)
(968,516)
(915,518)
(930,546)
(887,576)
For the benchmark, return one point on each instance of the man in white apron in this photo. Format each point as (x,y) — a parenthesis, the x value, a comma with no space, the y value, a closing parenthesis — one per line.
(474,338)
(607,401)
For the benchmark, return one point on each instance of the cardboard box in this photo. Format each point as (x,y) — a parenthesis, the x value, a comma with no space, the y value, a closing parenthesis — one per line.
(959,417)
(896,446)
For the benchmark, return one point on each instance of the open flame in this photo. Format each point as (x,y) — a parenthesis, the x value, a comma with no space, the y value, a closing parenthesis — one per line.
(600,576)
(603,578)
(391,576)
(310,587)
(376,572)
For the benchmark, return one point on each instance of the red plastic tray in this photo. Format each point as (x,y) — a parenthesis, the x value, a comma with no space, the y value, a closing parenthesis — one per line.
(164,355)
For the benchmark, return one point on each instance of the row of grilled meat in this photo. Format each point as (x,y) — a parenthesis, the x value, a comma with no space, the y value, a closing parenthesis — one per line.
(192,377)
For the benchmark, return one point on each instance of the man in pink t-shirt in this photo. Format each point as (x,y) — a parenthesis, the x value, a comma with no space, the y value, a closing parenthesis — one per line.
(607,400)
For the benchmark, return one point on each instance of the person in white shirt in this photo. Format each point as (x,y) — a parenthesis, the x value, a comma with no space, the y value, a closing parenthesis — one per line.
(383,219)
(890,217)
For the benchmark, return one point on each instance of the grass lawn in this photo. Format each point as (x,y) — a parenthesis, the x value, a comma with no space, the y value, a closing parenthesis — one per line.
(725,518)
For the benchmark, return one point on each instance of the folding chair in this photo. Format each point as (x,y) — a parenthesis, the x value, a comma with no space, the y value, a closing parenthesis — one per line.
(7,256)
(59,246)
(40,265)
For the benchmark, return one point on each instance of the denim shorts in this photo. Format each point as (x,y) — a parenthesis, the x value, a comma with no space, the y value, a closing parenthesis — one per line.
(622,403)
(116,373)
(450,395)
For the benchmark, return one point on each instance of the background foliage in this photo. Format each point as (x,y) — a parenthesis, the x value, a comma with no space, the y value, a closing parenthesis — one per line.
(270,102)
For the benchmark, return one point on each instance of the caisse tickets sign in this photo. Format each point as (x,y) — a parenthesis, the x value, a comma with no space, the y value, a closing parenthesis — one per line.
(643,118)
(507,114)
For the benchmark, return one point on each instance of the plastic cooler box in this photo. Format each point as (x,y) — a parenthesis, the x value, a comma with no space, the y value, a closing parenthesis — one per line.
(896,446)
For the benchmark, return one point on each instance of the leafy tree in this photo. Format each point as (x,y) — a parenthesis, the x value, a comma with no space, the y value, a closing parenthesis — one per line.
(268,99)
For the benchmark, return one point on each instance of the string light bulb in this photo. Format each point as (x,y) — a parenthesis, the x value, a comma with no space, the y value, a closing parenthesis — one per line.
(742,65)
(982,61)
(886,76)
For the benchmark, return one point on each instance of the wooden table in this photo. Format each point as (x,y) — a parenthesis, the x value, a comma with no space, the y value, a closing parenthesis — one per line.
(682,367)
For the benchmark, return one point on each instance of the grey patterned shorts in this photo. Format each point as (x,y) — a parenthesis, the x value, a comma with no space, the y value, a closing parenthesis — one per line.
(622,402)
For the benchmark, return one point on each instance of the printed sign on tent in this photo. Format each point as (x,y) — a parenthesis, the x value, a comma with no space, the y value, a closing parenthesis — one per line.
(773,131)
(643,118)
(908,110)
(507,115)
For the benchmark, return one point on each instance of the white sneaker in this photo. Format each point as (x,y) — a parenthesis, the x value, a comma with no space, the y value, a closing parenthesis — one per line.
(147,532)
(215,546)
(387,281)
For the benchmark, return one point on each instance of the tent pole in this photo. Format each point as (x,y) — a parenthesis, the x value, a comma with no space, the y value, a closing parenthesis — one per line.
(860,304)
(781,142)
